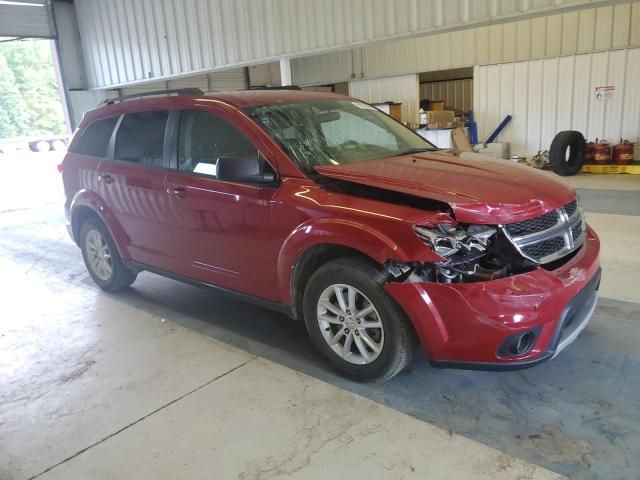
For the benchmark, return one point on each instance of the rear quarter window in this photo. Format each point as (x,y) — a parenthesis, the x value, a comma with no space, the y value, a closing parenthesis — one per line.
(95,138)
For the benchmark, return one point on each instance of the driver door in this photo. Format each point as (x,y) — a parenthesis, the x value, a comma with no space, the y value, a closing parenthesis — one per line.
(219,229)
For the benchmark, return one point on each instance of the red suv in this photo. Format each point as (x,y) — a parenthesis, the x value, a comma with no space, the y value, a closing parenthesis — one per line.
(322,207)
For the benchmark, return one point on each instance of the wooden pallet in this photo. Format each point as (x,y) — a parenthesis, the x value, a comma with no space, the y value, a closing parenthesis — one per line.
(633,169)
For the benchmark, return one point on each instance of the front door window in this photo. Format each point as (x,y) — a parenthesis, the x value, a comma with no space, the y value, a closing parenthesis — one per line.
(204,138)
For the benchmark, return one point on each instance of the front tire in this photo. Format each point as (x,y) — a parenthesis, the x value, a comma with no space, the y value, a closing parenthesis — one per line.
(101,257)
(363,333)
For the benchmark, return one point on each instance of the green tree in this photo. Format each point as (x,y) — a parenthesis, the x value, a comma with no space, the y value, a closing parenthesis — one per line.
(32,67)
(12,106)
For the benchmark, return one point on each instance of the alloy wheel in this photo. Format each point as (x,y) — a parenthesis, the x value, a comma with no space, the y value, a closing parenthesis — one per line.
(99,255)
(350,324)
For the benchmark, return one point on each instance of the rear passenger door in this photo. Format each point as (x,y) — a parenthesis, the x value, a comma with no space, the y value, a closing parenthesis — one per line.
(132,184)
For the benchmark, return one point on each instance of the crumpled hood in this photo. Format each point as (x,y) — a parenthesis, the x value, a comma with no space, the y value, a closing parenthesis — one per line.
(479,189)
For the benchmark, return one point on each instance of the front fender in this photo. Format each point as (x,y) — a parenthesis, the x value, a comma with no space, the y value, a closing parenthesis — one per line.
(342,232)
(88,199)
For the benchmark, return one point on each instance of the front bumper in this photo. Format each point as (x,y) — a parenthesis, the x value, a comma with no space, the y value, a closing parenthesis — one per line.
(463,325)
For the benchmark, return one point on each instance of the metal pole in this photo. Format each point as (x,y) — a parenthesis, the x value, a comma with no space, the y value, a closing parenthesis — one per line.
(56,54)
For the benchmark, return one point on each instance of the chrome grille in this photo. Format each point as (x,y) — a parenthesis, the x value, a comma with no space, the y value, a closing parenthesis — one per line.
(544,248)
(571,207)
(550,236)
(576,231)
(537,224)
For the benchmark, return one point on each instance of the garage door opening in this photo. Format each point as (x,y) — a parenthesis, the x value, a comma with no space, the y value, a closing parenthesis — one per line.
(33,134)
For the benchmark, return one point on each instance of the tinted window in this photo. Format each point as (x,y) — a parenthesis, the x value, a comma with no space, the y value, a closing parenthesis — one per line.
(95,138)
(204,138)
(140,138)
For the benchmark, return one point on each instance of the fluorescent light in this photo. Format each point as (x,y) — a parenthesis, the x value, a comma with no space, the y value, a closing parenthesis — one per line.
(22,4)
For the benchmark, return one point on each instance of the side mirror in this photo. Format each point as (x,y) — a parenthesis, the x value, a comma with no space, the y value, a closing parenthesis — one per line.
(244,170)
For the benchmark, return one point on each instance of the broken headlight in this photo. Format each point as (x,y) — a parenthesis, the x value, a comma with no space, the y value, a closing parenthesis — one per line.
(466,251)
(457,243)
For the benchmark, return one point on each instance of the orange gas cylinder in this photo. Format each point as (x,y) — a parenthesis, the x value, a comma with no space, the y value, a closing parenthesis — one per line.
(601,152)
(623,153)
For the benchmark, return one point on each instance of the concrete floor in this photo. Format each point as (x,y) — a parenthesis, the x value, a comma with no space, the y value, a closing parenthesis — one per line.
(169,381)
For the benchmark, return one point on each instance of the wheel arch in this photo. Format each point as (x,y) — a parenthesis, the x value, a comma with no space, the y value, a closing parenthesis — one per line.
(86,204)
(309,261)
(320,241)
(78,217)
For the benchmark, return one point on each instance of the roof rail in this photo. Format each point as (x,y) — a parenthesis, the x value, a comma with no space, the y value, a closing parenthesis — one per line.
(176,91)
(280,87)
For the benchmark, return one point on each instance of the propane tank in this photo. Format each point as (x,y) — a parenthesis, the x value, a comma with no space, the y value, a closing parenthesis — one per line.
(590,152)
(623,153)
(601,152)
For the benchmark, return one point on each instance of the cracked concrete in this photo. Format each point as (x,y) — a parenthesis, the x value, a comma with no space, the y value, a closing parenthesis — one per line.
(263,421)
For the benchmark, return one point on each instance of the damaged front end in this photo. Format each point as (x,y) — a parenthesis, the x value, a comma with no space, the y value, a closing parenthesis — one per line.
(470,253)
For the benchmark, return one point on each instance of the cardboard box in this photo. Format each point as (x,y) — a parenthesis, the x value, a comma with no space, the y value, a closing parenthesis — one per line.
(437,105)
(390,108)
(439,125)
(439,117)
(460,140)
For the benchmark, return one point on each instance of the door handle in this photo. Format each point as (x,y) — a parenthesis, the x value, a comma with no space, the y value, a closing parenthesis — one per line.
(177,192)
(108,179)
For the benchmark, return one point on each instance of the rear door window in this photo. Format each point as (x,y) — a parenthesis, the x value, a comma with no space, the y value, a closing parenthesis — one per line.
(204,138)
(95,138)
(140,138)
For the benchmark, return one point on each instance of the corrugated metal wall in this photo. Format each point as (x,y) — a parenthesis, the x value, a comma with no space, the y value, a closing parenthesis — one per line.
(264,75)
(550,95)
(235,79)
(402,89)
(593,29)
(128,41)
(457,94)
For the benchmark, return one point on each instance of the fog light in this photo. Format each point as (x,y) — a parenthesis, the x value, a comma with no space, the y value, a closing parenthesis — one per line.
(524,344)
(518,344)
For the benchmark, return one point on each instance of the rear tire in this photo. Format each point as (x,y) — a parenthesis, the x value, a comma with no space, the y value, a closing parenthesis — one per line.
(377,345)
(561,163)
(101,257)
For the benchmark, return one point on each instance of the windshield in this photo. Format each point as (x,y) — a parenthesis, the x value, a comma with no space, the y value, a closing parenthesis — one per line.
(335,132)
